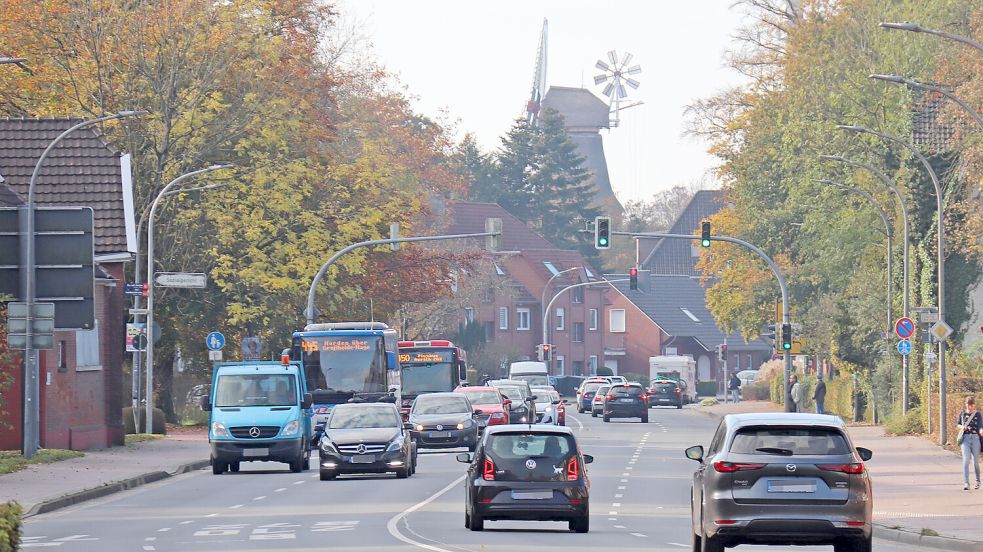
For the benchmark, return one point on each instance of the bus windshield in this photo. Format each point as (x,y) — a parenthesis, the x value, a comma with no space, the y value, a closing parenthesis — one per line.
(427,371)
(345,363)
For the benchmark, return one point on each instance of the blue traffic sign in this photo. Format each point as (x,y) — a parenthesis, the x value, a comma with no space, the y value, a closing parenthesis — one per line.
(904,347)
(215,341)
(904,327)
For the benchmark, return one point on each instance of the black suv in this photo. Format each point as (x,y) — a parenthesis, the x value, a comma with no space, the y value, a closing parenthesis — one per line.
(626,400)
(665,393)
(527,472)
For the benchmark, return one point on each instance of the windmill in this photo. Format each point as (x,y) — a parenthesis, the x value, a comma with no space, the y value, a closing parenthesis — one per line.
(615,75)
(538,80)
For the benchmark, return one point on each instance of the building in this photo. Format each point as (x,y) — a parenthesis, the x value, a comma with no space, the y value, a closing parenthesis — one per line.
(82,377)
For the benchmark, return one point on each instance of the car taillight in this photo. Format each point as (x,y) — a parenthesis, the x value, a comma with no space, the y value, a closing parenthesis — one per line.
(852,469)
(644,397)
(678,391)
(731,467)
(488,470)
(609,396)
(573,469)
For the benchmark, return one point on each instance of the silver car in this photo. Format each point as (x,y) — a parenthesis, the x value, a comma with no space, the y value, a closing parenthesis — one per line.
(781,479)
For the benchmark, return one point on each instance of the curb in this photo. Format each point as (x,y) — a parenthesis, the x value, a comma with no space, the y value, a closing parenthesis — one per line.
(906,536)
(110,488)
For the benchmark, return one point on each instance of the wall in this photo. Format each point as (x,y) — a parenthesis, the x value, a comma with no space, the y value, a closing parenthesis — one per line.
(642,337)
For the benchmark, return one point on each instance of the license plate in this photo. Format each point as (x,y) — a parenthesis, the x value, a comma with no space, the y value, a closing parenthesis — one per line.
(665,400)
(789,487)
(626,400)
(439,434)
(532,495)
(254,452)
(363,459)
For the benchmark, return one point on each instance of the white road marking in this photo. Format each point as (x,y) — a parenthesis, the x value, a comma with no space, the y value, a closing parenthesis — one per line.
(211,515)
(149,539)
(236,506)
(300,482)
(625,474)
(624,480)
(678,544)
(612,513)
(149,547)
(616,505)
(619,496)
(619,526)
(393,525)
(281,489)
(259,498)
(613,519)
(163,529)
(638,535)
(621,488)
(187,522)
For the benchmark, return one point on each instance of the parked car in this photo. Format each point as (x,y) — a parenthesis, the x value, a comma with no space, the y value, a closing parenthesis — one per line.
(527,472)
(489,404)
(366,438)
(665,393)
(781,479)
(444,420)
(597,402)
(626,401)
(747,377)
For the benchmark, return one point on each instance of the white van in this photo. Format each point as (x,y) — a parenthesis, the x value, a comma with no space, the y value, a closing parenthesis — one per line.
(535,373)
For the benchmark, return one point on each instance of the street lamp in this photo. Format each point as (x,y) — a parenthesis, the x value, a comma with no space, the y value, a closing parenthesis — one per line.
(914,28)
(932,88)
(150,288)
(940,213)
(547,330)
(907,228)
(32,391)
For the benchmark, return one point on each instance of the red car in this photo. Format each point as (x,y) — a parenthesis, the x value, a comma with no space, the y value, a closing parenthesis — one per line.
(489,400)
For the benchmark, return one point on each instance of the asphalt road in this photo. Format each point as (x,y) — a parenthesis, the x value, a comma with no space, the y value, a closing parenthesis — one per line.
(639,501)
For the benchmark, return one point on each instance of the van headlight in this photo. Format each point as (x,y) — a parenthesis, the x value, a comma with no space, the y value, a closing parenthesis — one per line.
(395,446)
(292,428)
(218,430)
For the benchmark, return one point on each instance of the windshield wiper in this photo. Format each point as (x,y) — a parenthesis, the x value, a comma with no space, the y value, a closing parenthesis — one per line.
(774,450)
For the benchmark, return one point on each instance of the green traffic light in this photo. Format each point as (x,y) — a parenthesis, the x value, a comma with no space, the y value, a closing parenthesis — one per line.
(603,241)
(706,243)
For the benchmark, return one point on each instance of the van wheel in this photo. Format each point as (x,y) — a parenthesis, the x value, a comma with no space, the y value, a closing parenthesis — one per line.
(234,467)
(306,464)
(218,467)
(297,464)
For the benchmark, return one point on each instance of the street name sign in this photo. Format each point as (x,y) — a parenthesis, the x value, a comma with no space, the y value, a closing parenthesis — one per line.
(904,327)
(904,347)
(133,289)
(940,331)
(195,280)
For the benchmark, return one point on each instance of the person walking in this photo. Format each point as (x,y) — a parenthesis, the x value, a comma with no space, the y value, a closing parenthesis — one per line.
(819,394)
(796,392)
(970,426)
(735,388)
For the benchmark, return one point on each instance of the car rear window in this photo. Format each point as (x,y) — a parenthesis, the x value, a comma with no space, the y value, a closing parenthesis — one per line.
(591,387)
(665,387)
(801,441)
(530,457)
(629,390)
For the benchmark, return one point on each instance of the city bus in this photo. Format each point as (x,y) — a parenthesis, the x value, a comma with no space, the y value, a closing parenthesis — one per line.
(346,361)
(429,367)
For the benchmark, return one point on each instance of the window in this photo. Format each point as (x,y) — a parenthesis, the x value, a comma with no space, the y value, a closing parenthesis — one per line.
(617,322)
(804,441)
(488,295)
(578,332)
(87,349)
(549,266)
(577,295)
(469,314)
(62,360)
(737,363)
(592,364)
(503,318)
(592,318)
(578,368)
(561,365)
(749,367)
(689,314)
(522,319)
(561,323)
(489,330)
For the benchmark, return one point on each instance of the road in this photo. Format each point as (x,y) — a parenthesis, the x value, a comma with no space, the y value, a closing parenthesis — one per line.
(639,501)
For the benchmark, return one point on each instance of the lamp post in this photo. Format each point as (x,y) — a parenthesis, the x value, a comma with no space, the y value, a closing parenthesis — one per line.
(32,391)
(915,28)
(150,287)
(932,88)
(906,265)
(940,213)
(547,330)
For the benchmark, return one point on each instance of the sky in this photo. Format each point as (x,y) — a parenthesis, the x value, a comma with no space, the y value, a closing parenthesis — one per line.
(473,62)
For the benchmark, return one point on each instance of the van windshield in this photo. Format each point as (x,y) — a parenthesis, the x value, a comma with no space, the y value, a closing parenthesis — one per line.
(235,390)
(533,379)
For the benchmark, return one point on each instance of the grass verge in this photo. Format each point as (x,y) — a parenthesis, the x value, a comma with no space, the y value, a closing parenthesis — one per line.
(134,438)
(12,460)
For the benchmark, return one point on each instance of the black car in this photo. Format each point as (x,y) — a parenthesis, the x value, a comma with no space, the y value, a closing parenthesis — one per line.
(366,438)
(665,393)
(524,472)
(626,400)
(444,420)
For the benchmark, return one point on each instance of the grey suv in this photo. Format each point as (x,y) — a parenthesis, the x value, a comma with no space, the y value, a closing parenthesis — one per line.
(781,479)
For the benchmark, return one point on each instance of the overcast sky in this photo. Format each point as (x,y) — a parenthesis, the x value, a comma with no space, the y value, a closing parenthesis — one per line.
(475,61)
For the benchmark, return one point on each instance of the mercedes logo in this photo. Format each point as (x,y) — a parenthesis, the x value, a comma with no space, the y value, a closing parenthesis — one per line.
(530,464)
(360,449)
(790,467)
(254,432)
(440,427)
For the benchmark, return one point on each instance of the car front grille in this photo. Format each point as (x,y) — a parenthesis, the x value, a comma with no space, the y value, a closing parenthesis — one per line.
(370,448)
(254,432)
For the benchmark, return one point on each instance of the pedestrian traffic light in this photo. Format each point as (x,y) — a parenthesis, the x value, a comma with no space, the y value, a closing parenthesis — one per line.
(602,232)
(633,279)
(705,230)
(787,337)
(146,289)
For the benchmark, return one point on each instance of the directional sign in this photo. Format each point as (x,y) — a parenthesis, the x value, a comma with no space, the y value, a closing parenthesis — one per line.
(941,330)
(904,347)
(904,327)
(215,341)
(181,279)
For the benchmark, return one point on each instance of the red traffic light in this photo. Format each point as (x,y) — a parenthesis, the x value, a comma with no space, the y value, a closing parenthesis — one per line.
(146,289)
(633,279)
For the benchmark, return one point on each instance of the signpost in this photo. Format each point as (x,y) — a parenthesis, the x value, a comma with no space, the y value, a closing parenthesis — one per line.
(904,347)
(904,327)
(193,280)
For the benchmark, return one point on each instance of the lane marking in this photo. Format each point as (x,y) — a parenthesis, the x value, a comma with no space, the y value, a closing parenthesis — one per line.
(622,487)
(612,519)
(300,482)
(616,505)
(149,539)
(625,474)
(619,526)
(163,529)
(146,547)
(678,544)
(236,506)
(574,418)
(259,498)
(211,515)
(187,522)
(393,525)
(619,496)
(612,513)
(281,489)
(638,535)
(624,480)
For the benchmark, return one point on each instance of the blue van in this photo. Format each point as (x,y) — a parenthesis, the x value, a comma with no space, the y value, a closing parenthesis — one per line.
(259,411)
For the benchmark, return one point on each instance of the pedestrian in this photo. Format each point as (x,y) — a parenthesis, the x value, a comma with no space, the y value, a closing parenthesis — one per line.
(819,394)
(793,380)
(970,426)
(735,388)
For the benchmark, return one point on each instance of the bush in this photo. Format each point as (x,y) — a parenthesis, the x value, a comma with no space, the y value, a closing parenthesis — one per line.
(640,378)
(159,428)
(10,525)
(911,423)
(604,371)
(190,416)
(756,392)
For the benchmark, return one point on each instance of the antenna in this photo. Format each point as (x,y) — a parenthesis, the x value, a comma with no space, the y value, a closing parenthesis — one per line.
(614,76)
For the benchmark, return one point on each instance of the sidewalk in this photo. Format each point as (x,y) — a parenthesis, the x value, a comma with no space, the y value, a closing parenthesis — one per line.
(917,486)
(41,488)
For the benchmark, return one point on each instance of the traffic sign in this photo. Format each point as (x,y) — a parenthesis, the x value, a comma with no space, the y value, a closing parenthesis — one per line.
(904,327)
(904,347)
(215,341)
(215,356)
(181,279)
(940,331)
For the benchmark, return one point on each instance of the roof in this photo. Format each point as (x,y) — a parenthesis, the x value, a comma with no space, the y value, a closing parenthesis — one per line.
(669,303)
(468,217)
(82,170)
(8,198)
(783,418)
(580,107)
(675,257)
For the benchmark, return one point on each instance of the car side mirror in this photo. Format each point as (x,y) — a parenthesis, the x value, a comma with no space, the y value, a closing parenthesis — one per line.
(565,401)
(408,426)
(476,413)
(462,373)
(507,402)
(556,401)
(532,398)
(464,457)
(695,453)
(865,454)
(588,459)
(205,404)
(308,401)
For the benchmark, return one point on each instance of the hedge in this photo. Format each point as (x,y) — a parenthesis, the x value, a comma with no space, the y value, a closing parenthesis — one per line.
(160,427)
(10,526)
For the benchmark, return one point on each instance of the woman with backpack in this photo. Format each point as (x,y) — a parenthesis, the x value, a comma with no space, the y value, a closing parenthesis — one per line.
(970,426)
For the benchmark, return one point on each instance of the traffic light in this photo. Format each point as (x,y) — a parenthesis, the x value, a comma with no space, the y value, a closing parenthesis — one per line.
(544,352)
(633,279)
(705,231)
(722,352)
(146,289)
(786,337)
(602,232)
